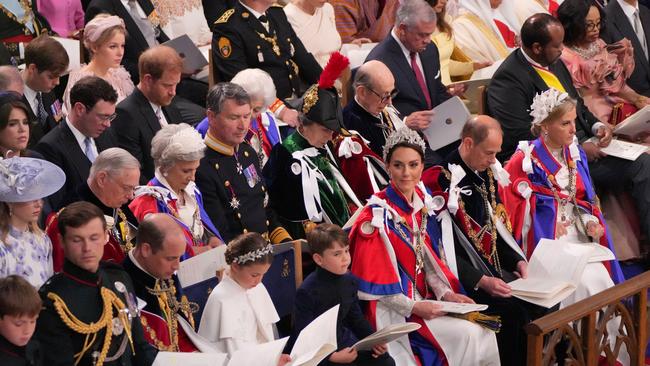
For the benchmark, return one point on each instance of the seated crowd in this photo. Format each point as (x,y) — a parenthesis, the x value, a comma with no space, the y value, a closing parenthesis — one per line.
(114,173)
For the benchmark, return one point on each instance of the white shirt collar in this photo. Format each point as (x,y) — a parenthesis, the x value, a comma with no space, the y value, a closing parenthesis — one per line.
(627,8)
(378,116)
(255,13)
(80,137)
(30,95)
(405,50)
(531,61)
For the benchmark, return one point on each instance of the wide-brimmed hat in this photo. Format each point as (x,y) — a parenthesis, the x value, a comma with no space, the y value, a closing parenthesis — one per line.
(28,179)
(321,103)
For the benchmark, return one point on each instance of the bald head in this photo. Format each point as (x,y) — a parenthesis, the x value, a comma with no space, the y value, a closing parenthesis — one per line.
(10,79)
(373,82)
(160,244)
(481,140)
(479,127)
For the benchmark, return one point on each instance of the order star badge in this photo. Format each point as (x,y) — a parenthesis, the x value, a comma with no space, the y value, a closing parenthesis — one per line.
(234,203)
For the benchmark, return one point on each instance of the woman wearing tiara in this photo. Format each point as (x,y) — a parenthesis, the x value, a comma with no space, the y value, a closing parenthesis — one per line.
(239,312)
(394,242)
(104,38)
(552,196)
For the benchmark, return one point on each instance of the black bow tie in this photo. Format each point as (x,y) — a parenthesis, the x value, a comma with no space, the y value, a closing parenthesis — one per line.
(263,19)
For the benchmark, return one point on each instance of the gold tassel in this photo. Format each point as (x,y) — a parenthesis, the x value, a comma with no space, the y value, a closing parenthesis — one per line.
(491,322)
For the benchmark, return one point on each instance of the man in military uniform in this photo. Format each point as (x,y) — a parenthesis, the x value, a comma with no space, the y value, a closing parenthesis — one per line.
(230,177)
(90,316)
(20,22)
(255,34)
(113,178)
(151,265)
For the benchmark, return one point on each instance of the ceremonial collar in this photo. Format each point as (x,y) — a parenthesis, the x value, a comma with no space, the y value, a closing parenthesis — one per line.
(11,349)
(218,146)
(80,275)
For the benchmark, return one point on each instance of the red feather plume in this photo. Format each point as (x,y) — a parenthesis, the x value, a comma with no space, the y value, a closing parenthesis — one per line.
(335,66)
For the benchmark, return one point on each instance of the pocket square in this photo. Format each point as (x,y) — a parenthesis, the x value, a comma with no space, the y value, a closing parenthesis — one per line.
(437,75)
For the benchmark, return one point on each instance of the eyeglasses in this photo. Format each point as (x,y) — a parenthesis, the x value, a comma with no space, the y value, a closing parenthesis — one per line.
(103,117)
(593,26)
(385,98)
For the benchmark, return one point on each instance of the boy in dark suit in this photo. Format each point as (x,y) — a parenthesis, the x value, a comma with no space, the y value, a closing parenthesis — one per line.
(19,308)
(329,285)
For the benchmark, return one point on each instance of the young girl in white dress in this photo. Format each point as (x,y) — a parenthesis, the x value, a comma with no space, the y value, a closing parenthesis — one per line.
(239,312)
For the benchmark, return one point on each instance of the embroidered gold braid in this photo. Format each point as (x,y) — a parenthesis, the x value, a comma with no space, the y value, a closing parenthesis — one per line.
(110,300)
(123,227)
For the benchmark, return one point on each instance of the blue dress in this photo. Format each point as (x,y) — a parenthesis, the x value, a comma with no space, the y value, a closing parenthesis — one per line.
(26,254)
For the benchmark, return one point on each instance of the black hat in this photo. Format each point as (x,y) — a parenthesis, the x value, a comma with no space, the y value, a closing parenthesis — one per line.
(321,103)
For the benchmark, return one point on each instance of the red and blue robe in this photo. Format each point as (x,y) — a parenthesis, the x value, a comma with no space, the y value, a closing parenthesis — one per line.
(538,209)
(372,265)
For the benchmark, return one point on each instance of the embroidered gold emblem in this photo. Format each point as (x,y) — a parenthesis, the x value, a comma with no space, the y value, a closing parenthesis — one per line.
(225,16)
(225,49)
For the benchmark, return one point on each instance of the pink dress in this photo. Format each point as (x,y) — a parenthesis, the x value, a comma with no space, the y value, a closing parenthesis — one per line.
(118,77)
(64,16)
(600,75)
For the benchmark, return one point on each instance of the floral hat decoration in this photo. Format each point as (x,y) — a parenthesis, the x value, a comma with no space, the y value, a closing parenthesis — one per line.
(544,103)
(28,179)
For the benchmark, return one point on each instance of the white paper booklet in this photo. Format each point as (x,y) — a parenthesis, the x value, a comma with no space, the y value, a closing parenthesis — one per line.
(190,359)
(622,149)
(554,271)
(357,53)
(457,307)
(600,253)
(448,120)
(193,58)
(635,124)
(265,354)
(317,340)
(73,49)
(386,335)
(202,267)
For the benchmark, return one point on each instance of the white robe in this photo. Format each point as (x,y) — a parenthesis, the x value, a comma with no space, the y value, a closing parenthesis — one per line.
(317,32)
(235,318)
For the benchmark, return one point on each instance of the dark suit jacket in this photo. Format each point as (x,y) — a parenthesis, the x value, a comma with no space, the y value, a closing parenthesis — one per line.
(618,26)
(135,41)
(511,92)
(135,126)
(410,98)
(37,131)
(60,147)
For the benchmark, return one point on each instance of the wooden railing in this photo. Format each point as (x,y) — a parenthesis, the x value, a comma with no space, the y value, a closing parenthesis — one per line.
(581,329)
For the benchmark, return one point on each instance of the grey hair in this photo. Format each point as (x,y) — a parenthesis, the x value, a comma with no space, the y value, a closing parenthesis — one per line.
(223,91)
(9,75)
(362,78)
(258,84)
(113,161)
(174,143)
(412,12)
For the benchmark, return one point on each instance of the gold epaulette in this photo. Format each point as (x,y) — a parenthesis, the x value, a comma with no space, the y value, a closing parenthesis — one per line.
(225,16)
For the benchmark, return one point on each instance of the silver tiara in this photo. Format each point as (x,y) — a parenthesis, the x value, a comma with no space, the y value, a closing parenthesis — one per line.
(544,103)
(254,255)
(403,134)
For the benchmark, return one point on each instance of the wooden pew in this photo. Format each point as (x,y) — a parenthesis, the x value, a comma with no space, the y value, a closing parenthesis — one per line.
(583,327)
